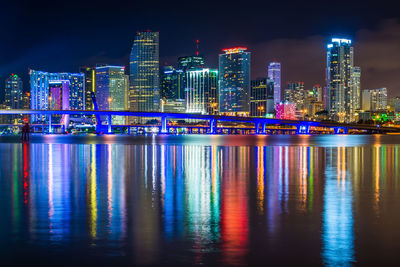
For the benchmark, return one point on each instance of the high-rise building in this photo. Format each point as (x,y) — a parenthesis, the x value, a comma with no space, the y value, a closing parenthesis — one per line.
(172,83)
(343,95)
(90,85)
(356,87)
(144,91)
(274,73)
(374,99)
(234,81)
(262,97)
(59,95)
(14,92)
(318,93)
(296,94)
(26,100)
(202,91)
(395,103)
(110,90)
(191,63)
(173,105)
(40,90)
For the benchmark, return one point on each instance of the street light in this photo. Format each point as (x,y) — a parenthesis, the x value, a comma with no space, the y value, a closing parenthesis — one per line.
(109,103)
(260,109)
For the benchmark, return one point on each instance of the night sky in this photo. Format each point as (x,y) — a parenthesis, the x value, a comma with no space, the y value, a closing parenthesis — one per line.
(63,35)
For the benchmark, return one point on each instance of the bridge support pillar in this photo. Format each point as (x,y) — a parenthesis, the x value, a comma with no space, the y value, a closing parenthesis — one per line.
(213,126)
(109,121)
(50,125)
(257,125)
(264,128)
(345,130)
(164,125)
(303,129)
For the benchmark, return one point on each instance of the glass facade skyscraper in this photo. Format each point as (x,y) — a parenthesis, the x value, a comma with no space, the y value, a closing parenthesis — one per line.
(374,99)
(341,97)
(202,91)
(296,94)
(172,83)
(356,87)
(40,90)
(261,97)
(234,82)
(110,89)
(90,85)
(191,63)
(14,92)
(144,92)
(274,73)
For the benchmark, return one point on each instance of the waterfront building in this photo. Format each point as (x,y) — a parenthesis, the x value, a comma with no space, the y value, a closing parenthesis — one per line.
(274,73)
(90,85)
(356,88)
(296,93)
(191,63)
(317,93)
(342,92)
(126,106)
(312,107)
(202,91)
(26,100)
(234,82)
(285,111)
(262,97)
(374,99)
(111,90)
(395,103)
(14,92)
(59,95)
(144,78)
(40,81)
(172,83)
(173,105)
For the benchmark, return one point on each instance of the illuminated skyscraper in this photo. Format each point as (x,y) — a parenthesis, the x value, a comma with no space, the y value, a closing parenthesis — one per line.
(274,73)
(374,99)
(341,95)
(110,89)
(172,83)
(234,82)
(14,92)
(202,91)
(191,63)
(40,90)
(144,93)
(261,97)
(296,94)
(318,93)
(59,95)
(356,87)
(90,85)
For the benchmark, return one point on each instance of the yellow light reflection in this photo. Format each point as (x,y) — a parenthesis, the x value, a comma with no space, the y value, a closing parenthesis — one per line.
(260,179)
(93,195)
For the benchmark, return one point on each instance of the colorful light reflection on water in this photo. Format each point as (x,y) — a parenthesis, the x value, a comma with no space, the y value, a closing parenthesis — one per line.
(219,201)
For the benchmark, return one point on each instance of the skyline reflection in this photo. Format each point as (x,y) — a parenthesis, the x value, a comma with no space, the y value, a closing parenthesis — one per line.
(158,203)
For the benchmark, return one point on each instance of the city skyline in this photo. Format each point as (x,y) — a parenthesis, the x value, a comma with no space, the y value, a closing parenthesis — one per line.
(38,46)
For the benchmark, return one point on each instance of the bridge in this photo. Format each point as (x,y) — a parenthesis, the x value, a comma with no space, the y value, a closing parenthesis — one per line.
(259,124)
